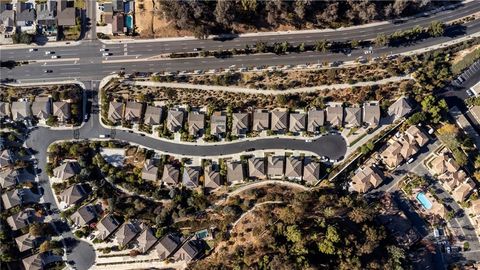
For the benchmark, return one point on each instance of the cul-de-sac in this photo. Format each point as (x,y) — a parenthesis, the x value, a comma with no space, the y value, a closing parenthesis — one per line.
(239,134)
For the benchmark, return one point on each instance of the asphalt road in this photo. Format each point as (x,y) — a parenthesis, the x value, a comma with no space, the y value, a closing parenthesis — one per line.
(93,66)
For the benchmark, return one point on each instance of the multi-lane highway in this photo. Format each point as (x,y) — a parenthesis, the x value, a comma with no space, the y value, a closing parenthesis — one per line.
(85,61)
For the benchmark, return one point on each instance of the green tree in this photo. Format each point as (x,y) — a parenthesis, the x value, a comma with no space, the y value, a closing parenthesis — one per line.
(436,29)
(381,40)
(321,46)
(397,255)
(261,47)
(418,117)
(45,246)
(281,100)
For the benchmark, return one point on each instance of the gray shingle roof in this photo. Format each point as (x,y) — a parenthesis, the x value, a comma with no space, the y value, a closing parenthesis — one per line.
(175,120)
(235,172)
(196,122)
(190,177)
(9,178)
(187,252)
(84,215)
(115,111)
(399,108)
(260,121)
(256,167)
(170,174)
(61,110)
(275,166)
(212,178)
(146,240)
(149,170)
(106,226)
(371,113)
(335,114)
(293,167)
(73,194)
(126,233)
(240,123)
(41,108)
(66,170)
(20,110)
(153,115)
(353,116)
(297,122)
(167,245)
(311,171)
(218,123)
(279,121)
(316,119)
(133,111)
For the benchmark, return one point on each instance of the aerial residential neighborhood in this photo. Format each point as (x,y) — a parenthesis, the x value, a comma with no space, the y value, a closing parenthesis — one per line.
(152,134)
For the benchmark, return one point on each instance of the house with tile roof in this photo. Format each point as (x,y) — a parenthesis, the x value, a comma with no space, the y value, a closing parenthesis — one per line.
(149,170)
(293,168)
(311,171)
(297,122)
(353,116)
(133,112)
(218,124)
(41,108)
(61,110)
(26,242)
(335,114)
(366,178)
(391,156)
(212,177)
(9,178)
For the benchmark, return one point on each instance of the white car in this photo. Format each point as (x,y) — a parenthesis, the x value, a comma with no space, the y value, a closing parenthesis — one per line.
(106,54)
(103,136)
(55,56)
(103,50)
(32,50)
(48,52)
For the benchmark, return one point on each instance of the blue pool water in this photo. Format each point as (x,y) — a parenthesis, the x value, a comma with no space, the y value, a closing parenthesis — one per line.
(129,22)
(424,200)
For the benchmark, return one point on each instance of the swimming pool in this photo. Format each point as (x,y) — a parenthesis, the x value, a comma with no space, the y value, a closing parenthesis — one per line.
(424,200)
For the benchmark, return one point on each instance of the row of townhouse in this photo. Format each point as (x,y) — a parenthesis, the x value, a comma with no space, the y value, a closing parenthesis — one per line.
(401,149)
(255,168)
(41,109)
(33,17)
(277,121)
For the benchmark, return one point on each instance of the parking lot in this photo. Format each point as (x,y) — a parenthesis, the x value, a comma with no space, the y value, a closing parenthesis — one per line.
(467,74)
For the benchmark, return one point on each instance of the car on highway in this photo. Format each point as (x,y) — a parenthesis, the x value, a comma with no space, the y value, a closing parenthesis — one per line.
(103,136)
(48,71)
(197,49)
(48,52)
(104,50)
(33,50)
(106,54)
(308,140)
(55,56)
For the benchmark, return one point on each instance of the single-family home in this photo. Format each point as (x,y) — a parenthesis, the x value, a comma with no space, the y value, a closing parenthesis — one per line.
(316,119)
(279,121)
(7,21)
(293,168)
(37,261)
(260,121)
(22,219)
(84,215)
(115,112)
(41,108)
(106,226)
(47,17)
(461,192)
(235,172)
(212,177)
(311,171)
(9,178)
(4,109)
(371,113)
(399,108)
(196,123)
(408,149)
(353,116)
(61,110)
(167,245)
(133,111)
(21,110)
(170,174)
(74,194)
(256,168)
(275,166)
(240,123)
(126,233)
(190,177)
(297,122)
(12,198)
(218,124)
(153,115)
(6,159)
(66,13)
(187,252)
(335,114)
(25,16)
(175,120)
(146,240)
(26,242)
(149,170)
(66,170)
